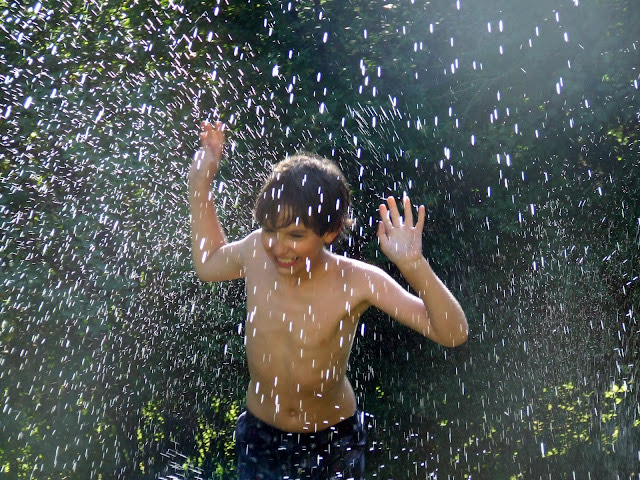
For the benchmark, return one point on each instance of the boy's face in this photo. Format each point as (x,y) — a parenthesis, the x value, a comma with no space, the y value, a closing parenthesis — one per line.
(295,249)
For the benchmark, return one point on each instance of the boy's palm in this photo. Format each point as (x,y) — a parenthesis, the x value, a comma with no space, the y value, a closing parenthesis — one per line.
(207,161)
(400,240)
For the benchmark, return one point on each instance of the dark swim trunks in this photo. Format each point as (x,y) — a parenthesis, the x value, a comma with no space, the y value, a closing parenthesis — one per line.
(267,453)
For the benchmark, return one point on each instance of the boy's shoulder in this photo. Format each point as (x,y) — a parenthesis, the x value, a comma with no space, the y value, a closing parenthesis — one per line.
(356,269)
(254,235)
(250,243)
(246,247)
(250,239)
(364,281)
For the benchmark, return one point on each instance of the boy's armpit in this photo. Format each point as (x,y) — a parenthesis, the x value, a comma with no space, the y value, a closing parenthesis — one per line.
(384,293)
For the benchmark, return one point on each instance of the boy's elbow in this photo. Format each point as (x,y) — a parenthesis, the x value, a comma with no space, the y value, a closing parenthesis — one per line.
(201,276)
(454,342)
(463,332)
(214,272)
(203,268)
(199,273)
(202,272)
(207,274)
(460,336)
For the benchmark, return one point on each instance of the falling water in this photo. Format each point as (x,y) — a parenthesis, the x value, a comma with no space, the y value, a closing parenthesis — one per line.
(516,124)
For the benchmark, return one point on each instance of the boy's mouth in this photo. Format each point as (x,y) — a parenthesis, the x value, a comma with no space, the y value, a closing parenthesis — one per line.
(286,261)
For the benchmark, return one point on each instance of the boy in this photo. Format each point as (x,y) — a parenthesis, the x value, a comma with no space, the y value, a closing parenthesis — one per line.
(303,306)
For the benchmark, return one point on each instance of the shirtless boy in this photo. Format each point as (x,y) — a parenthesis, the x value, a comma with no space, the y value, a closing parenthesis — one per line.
(303,306)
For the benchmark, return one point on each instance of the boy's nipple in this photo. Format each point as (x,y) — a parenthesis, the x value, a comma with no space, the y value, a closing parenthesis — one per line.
(292,412)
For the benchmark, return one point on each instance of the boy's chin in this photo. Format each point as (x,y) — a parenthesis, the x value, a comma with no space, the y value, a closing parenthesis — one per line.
(296,267)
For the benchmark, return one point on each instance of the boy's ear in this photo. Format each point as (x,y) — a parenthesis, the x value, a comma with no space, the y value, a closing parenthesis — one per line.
(330,236)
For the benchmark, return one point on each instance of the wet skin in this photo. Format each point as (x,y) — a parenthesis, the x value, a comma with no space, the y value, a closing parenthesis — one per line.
(301,320)
(302,317)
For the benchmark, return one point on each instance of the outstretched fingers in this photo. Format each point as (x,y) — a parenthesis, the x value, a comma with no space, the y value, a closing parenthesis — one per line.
(385,219)
(212,136)
(205,125)
(396,219)
(421,217)
(205,128)
(391,217)
(408,214)
(208,127)
(399,238)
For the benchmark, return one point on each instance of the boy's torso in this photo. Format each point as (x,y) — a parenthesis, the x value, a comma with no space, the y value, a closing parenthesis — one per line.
(298,341)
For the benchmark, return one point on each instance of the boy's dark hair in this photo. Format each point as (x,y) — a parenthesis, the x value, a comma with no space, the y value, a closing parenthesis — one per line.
(305,187)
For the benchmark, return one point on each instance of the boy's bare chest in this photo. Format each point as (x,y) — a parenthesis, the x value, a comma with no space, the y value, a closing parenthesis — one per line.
(304,314)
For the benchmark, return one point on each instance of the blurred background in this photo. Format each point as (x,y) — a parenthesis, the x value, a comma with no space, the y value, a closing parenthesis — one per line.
(516,123)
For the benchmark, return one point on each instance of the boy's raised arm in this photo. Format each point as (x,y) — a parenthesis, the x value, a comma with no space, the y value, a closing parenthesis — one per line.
(401,242)
(213,258)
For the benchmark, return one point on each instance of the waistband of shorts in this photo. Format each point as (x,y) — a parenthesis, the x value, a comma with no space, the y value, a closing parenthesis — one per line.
(341,428)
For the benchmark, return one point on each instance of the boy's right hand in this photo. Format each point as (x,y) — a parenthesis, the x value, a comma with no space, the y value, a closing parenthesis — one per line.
(207,160)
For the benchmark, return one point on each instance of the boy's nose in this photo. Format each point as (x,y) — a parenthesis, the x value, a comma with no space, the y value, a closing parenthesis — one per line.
(281,246)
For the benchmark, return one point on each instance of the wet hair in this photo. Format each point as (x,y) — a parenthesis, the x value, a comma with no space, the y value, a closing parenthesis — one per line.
(304,188)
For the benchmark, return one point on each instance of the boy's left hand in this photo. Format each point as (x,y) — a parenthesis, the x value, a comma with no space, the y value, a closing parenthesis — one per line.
(400,240)
(207,160)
